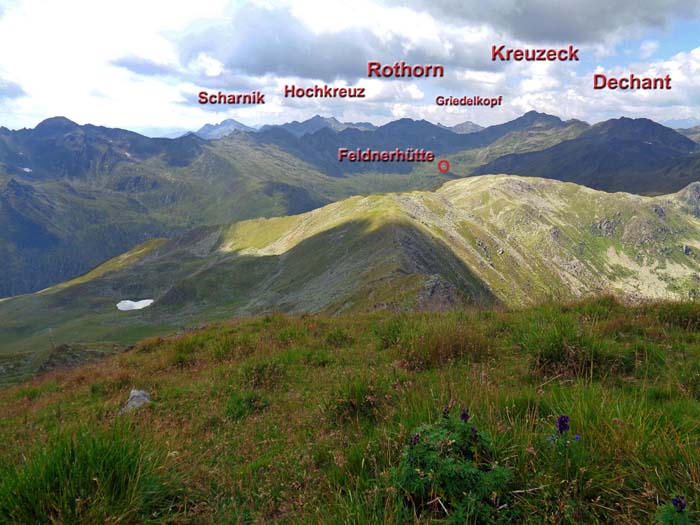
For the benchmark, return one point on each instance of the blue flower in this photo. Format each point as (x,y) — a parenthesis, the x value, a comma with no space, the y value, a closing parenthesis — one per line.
(578,437)
(562,424)
(464,416)
(552,438)
(679,503)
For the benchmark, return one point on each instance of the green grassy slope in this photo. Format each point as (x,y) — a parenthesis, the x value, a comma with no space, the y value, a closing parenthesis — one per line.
(98,192)
(356,419)
(47,222)
(481,240)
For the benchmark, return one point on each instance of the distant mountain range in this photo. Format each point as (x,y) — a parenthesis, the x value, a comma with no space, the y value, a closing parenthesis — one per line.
(624,154)
(321,148)
(74,196)
(464,127)
(314,124)
(692,133)
(222,129)
(307,127)
(296,128)
(482,240)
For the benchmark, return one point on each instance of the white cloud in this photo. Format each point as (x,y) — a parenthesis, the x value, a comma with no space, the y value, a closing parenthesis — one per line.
(562,21)
(207,65)
(140,65)
(579,100)
(60,53)
(648,48)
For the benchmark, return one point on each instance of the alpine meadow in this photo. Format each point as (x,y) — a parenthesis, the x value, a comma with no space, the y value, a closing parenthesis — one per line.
(379,262)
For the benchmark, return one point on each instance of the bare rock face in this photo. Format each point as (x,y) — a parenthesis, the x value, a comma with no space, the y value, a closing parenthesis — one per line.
(605,227)
(137,399)
(690,199)
(439,294)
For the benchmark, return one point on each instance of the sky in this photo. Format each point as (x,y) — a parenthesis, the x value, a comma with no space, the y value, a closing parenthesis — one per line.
(139,64)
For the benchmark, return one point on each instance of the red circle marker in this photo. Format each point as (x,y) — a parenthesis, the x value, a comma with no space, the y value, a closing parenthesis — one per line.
(444,166)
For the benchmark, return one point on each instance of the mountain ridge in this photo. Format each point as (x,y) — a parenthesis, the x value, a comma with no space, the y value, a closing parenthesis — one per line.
(485,240)
(222,129)
(611,156)
(463,127)
(692,133)
(72,196)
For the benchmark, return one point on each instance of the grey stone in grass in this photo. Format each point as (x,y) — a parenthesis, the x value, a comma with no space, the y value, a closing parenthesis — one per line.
(137,398)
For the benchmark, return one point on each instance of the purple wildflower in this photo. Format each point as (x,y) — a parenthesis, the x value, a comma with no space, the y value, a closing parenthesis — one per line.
(415,438)
(562,424)
(464,416)
(578,437)
(679,503)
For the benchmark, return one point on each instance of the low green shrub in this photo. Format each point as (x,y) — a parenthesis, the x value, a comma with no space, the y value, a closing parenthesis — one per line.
(275,317)
(33,392)
(447,473)
(674,512)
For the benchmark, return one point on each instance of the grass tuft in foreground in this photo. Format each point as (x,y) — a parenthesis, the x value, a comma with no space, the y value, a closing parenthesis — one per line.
(90,476)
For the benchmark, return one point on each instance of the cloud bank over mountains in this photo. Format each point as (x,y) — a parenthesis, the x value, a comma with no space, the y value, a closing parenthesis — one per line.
(563,21)
(137,66)
(10,90)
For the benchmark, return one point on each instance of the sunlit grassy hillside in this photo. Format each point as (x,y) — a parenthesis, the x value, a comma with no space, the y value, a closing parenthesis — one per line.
(374,418)
(486,240)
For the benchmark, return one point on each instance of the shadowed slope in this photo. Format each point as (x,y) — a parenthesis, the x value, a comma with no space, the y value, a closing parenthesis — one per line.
(633,155)
(480,240)
(356,265)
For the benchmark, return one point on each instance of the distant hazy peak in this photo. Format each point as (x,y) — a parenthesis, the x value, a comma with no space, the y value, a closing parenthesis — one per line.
(222,129)
(56,124)
(640,128)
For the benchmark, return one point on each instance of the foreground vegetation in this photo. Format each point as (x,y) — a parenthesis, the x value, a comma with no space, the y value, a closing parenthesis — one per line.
(584,413)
